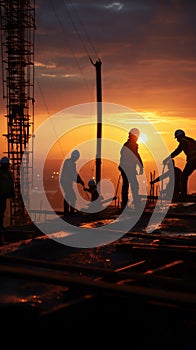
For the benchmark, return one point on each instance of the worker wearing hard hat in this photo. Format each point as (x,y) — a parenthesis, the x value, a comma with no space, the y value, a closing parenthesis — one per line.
(130,159)
(69,175)
(188,146)
(6,190)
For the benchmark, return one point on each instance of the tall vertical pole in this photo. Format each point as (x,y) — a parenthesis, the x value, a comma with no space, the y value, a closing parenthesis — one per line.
(99,118)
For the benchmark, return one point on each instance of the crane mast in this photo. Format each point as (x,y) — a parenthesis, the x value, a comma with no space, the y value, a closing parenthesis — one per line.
(17,47)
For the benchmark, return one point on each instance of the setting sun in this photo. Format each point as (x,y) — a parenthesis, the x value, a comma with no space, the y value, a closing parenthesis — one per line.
(143,138)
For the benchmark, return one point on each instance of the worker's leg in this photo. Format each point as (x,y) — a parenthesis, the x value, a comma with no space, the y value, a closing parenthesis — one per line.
(188,170)
(2,212)
(72,200)
(125,190)
(66,207)
(135,190)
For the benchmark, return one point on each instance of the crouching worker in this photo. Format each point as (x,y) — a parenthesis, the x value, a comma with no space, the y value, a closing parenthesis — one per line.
(6,190)
(96,198)
(92,189)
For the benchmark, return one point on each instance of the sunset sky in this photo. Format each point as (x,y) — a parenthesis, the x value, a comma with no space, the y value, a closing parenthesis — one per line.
(148,55)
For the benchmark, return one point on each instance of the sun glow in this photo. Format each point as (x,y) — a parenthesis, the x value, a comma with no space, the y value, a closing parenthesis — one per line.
(143,138)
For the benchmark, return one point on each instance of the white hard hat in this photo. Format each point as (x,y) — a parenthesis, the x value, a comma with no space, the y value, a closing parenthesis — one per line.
(135,131)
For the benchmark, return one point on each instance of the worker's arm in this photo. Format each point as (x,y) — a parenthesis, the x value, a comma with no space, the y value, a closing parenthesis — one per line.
(79,180)
(161,177)
(175,153)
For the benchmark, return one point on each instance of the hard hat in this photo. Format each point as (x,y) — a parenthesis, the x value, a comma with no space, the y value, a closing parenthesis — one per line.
(178,133)
(135,131)
(5,161)
(75,154)
(92,182)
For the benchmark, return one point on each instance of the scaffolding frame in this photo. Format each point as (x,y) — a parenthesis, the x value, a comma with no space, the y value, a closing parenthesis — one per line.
(17,48)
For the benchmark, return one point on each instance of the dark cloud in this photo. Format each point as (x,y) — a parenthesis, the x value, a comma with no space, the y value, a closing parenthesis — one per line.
(142,44)
(150,28)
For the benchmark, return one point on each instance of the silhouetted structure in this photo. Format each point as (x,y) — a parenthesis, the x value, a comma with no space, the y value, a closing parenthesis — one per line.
(97,66)
(17,26)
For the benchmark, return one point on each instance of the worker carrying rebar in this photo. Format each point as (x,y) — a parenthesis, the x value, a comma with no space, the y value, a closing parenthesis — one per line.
(188,146)
(7,190)
(130,159)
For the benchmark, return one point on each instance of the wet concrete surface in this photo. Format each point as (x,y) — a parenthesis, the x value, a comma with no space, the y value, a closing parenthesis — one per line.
(24,290)
(29,241)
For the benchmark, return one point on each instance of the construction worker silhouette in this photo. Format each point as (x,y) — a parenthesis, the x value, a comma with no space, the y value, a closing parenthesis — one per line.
(68,176)
(188,146)
(96,198)
(6,190)
(130,159)
(174,185)
(92,189)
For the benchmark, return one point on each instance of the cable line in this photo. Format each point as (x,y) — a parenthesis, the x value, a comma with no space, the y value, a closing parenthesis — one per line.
(46,107)
(83,28)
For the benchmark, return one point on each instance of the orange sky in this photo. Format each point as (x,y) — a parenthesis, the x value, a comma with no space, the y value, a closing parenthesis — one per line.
(148,56)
